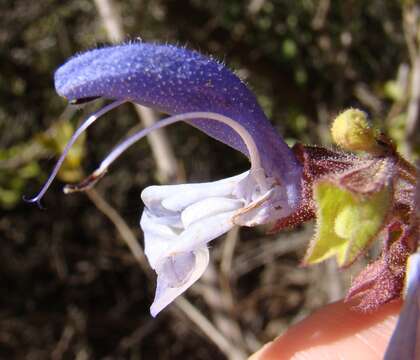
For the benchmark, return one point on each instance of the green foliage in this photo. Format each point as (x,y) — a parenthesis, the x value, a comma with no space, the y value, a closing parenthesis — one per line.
(393,91)
(12,183)
(346,222)
(20,163)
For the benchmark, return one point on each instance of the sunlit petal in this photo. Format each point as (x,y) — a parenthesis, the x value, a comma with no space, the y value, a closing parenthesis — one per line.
(404,343)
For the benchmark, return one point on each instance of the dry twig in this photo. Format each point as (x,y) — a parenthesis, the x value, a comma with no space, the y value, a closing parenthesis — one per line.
(161,149)
(411,24)
(123,229)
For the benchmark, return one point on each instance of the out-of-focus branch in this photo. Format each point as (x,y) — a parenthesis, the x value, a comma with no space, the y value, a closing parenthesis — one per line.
(124,230)
(162,151)
(411,14)
(111,19)
(367,97)
(255,6)
(413,111)
(411,32)
(231,352)
(321,14)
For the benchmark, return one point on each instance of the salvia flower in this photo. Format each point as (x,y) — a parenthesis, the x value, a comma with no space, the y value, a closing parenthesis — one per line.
(180,220)
(404,341)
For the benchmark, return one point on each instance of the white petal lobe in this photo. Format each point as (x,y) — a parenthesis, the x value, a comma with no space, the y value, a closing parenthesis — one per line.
(179,221)
(165,294)
(208,207)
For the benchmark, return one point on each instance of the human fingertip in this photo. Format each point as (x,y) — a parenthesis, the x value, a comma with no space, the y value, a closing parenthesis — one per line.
(335,331)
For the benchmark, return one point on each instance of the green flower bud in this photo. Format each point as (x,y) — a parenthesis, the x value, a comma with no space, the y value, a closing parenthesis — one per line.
(351,131)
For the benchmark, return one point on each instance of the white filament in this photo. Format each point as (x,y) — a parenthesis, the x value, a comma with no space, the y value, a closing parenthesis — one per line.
(256,168)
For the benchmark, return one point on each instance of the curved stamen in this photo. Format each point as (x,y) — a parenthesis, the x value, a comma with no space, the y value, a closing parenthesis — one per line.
(89,121)
(119,149)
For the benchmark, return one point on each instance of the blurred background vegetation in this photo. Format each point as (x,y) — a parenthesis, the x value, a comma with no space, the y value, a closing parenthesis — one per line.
(71,287)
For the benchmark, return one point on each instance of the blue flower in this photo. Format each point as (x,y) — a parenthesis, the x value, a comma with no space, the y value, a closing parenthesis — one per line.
(404,343)
(180,220)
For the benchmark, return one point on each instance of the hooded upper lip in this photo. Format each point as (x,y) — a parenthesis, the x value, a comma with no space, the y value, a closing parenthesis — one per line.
(176,80)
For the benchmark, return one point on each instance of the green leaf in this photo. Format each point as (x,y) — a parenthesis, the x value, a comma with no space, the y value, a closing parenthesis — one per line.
(346,222)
